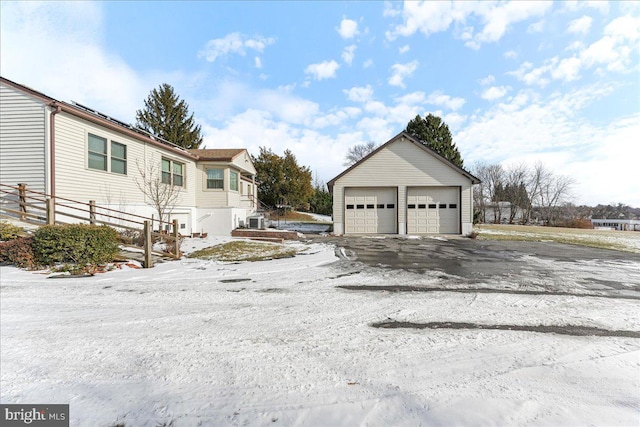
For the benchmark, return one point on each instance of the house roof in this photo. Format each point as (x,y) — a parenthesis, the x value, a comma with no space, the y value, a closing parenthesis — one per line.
(218,154)
(474,180)
(222,155)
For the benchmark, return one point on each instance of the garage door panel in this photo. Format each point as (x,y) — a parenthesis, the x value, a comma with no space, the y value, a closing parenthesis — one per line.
(375,206)
(438,204)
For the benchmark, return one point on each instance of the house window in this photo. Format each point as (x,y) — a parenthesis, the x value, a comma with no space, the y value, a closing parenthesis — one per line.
(172,173)
(118,158)
(178,174)
(166,171)
(233,181)
(215,178)
(97,153)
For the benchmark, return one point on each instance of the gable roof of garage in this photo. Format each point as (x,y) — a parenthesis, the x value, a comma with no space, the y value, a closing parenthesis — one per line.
(474,180)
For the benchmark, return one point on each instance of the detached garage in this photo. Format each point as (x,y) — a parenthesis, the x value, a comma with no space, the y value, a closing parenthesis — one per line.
(403,187)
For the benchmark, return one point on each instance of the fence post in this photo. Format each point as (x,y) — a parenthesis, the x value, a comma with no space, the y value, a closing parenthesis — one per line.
(148,262)
(92,212)
(176,241)
(51,211)
(22,193)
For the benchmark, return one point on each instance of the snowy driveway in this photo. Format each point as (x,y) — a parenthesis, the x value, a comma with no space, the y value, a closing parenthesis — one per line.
(292,341)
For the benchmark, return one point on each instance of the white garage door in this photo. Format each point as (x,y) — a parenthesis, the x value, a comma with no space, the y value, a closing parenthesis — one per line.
(370,210)
(433,210)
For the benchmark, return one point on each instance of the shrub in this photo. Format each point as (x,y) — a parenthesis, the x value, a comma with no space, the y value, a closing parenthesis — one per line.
(9,231)
(77,244)
(19,252)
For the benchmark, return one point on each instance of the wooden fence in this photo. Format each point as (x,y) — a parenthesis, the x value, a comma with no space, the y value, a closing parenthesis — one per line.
(39,208)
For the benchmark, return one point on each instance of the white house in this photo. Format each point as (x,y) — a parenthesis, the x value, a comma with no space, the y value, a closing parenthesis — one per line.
(68,150)
(403,187)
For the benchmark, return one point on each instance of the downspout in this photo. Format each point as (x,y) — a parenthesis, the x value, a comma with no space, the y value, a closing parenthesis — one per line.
(52,146)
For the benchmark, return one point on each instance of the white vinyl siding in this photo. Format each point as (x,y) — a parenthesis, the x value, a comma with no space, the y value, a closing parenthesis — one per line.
(23,124)
(75,181)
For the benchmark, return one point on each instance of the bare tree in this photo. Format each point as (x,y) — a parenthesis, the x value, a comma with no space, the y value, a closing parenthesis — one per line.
(548,192)
(163,197)
(358,152)
(495,179)
(481,192)
(516,176)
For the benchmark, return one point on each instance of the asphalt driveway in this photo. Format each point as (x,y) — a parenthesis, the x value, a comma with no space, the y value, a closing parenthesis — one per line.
(461,264)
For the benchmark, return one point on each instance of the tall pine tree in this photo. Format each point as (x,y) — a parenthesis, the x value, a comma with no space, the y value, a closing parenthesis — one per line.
(435,134)
(167,116)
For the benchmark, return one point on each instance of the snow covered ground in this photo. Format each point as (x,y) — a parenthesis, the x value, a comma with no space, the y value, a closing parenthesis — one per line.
(277,343)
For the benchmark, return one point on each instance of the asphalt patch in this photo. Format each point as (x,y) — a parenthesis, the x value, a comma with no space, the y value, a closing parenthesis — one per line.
(573,330)
(409,288)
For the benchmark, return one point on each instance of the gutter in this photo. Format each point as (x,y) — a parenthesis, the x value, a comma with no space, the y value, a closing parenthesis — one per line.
(52,147)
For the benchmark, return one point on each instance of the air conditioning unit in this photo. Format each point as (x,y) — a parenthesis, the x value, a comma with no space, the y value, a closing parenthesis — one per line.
(256,222)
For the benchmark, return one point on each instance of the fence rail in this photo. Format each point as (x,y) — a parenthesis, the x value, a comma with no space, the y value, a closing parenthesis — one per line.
(39,208)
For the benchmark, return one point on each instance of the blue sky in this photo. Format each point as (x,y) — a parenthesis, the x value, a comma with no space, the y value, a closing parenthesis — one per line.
(517,82)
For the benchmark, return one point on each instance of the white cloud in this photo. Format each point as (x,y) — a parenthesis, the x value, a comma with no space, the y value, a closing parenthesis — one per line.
(441,100)
(487,80)
(284,106)
(323,70)
(454,120)
(233,43)
(580,25)
(377,129)
(335,118)
(528,128)
(359,93)
(501,16)
(404,49)
(431,17)
(390,11)
(348,54)
(348,28)
(258,62)
(400,71)
(568,69)
(414,98)
(614,50)
(536,27)
(77,66)
(368,63)
(510,54)
(495,92)
(253,129)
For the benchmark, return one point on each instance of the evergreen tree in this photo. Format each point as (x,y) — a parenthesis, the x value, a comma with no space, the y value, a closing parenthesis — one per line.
(281,181)
(321,202)
(167,116)
(435,134)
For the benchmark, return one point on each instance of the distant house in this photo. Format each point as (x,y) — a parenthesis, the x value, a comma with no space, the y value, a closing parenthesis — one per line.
(616,224)
(403,187)
(68,150)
